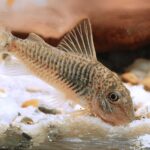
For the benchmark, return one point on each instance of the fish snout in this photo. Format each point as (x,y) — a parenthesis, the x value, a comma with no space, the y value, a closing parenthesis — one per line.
(116,118)
(131,115)
(124,119)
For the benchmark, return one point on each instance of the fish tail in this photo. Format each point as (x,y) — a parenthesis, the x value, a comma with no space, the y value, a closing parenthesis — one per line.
(6,38)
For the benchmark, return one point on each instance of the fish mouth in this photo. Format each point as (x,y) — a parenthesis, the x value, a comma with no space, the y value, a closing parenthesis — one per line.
(117,121)
(108,121)
(117,117)
(131,116)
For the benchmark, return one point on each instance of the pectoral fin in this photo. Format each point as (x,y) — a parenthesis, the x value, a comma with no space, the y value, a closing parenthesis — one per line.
(79,113)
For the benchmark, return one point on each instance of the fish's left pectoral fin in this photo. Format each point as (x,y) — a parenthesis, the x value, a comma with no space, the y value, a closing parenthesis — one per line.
(79,41)
(78,113)
(13,67)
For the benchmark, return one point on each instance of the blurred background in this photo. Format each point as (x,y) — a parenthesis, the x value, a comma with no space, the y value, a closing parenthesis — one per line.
(121,29)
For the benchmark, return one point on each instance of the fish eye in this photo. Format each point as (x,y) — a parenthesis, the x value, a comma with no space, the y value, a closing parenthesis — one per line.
(113,96)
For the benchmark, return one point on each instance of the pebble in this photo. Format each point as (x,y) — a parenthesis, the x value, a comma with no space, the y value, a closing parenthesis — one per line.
(27,120)
(48,111)
(130,78)
(33,90)
(25,135)
(146,83)
(3,92)
(31,102)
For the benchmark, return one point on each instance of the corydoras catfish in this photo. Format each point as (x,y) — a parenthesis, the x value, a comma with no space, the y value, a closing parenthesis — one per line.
(73,68)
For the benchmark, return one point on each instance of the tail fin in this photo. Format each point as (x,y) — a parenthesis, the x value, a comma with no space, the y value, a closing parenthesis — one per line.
(5,38)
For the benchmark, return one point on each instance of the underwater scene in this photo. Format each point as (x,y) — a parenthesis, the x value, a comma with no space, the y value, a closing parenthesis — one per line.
(74,75)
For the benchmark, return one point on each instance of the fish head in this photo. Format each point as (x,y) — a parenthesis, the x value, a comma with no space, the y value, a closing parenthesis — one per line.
(113,103)
(5,38)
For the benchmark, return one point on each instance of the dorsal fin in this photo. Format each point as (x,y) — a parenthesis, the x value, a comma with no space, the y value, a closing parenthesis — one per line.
(35,37)
(79,41)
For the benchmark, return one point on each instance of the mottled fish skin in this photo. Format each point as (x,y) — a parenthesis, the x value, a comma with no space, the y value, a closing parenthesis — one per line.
(68,72)
(72,67)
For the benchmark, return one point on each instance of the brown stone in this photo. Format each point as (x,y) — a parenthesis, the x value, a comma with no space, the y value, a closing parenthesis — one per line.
(146,83)
(148,115)
(117,25)
(34,90)
(31,102)
(2,90)
(27,120)
(48,110)
(130,78)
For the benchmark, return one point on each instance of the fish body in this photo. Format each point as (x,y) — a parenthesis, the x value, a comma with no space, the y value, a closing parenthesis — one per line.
(73,68)
(67,72)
